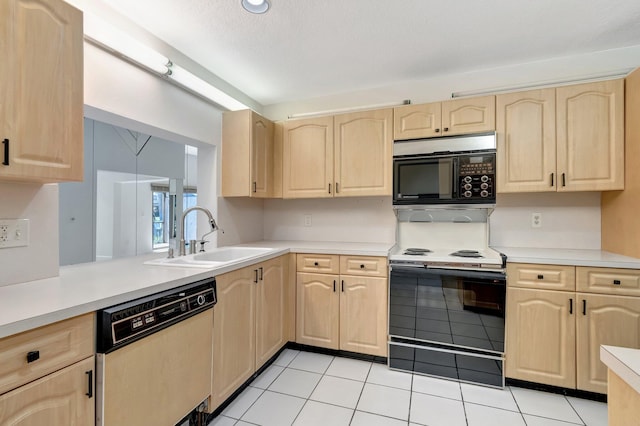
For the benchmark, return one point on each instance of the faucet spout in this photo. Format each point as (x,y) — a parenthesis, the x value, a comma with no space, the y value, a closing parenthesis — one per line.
(212,223)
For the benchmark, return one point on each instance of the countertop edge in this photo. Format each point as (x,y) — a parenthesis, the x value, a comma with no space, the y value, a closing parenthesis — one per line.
(280,248)
(617,359)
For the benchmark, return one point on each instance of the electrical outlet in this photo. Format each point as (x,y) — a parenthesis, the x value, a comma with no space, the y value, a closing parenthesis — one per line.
(536,220)
(307,220)
(14,233)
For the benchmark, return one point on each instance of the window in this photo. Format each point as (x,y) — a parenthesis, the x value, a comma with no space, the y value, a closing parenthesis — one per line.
(161,217)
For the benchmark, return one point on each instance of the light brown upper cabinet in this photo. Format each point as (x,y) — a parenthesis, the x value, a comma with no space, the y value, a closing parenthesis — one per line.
(526,152)
(248,160)
(455,117)
(41,91)
(338,156)
(590,136)
(565,139)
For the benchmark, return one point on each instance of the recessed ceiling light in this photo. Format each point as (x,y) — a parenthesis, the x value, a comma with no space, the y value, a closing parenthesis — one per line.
(256,6)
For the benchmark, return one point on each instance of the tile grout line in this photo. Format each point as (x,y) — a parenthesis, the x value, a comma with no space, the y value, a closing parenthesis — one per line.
(313,390)
(517,405)
(574,410)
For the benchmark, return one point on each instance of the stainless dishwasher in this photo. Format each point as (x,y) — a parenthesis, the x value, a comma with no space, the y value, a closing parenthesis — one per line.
(154,356)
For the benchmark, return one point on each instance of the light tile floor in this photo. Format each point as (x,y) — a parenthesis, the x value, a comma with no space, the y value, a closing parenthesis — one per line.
(308,389)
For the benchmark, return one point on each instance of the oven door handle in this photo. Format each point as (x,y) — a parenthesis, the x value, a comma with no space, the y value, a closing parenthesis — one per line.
(463,273)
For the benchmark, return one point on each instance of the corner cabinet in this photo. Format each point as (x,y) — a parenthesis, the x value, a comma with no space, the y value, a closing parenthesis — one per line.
(569,138)
(249,324)
(338,156)
(248,156)
(46,375)
(342,302)
(41,91)
(455,117)
(558,316)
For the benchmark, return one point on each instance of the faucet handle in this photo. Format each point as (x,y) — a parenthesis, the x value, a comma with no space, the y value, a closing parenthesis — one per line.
(202,243)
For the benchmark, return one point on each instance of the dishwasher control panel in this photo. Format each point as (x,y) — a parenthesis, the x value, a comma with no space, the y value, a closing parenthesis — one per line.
(125,323)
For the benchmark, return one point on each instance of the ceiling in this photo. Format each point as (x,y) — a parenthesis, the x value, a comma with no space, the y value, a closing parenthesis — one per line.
(303,49)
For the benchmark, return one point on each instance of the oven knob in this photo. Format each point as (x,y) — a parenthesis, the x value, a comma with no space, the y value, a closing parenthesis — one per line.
(467,186)
(484,193)
(467,193)
(200,300)
(484,178)
(467,179)
(484,185)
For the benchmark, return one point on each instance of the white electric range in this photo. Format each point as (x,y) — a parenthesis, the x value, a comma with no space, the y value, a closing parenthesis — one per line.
(447,291)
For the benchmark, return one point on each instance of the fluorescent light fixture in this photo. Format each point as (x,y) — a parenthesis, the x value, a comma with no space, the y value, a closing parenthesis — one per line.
(196,85)
(542,84)
(255,6)
(350,109)
(105,35)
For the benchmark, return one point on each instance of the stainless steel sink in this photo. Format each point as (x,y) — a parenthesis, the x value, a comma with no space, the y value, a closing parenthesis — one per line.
(211,259)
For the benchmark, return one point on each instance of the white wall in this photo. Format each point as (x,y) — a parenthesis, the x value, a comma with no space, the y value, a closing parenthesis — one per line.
(550,71)
(39,204)
(363,219)
(569,220)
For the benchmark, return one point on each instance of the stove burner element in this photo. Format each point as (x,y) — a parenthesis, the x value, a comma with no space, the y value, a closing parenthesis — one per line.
(416,251)
(467,253)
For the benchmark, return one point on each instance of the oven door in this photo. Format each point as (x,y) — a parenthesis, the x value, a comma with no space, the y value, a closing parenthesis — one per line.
(456,308)
(424,180)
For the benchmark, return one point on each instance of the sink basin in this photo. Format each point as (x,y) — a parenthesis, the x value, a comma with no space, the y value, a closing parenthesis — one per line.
(211,259)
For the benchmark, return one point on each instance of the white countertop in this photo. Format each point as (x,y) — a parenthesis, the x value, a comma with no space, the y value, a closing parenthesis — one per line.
(576,257)
(625,362)
(88,287)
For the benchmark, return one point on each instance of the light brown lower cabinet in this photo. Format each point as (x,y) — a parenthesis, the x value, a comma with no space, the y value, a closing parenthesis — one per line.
(554,337)
(60,398)
(342,312)
(249,324)
(541,336)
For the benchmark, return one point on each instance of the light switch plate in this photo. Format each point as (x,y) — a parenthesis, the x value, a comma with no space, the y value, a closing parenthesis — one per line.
(14,233)
(536,220)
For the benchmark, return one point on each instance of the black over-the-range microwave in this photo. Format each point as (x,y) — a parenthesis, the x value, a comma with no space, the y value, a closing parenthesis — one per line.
(456,170)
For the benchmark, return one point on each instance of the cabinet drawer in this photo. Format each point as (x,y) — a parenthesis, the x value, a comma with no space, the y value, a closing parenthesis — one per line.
(550,277)
(608,281)
(55,346)
(363,265)
(319,263)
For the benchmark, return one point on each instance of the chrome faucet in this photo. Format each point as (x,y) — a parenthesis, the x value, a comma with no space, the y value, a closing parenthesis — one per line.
(212,223)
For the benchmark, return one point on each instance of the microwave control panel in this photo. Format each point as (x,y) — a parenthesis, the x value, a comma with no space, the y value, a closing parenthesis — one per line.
(476,177)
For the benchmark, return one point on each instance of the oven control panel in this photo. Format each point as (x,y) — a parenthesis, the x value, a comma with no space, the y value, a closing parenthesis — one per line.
(476,177)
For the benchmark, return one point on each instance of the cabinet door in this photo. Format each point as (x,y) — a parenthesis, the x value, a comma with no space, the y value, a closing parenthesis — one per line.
(540,336)
(363,153)
(236,153)
(590,136)
(363,315)
(472,115)
(41,90)
(234,333)
(526,130)
(261,156)
(318,310)
(308,158)
(417,121)
(57,399)
(270,309)
(603,320)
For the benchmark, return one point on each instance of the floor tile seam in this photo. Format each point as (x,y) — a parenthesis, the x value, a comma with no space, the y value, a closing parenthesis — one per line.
(387,386)
(551,418)
(546,417)
(274,379)
(341,377)
(262,391)
(361,391)
(584,422)
(439,396)
(386,416)
(306,371)
(497,408)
